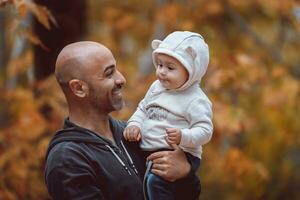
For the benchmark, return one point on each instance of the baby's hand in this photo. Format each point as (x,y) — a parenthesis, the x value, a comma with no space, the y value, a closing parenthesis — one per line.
(132,133)
(173,136)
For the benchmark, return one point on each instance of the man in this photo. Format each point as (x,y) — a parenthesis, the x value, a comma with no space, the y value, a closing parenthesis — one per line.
(87,159)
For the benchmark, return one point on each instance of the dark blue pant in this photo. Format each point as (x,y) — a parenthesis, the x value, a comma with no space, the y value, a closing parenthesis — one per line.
(158,188)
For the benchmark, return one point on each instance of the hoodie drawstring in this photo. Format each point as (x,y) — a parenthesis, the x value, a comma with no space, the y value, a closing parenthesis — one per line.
(119,159)
(129,157)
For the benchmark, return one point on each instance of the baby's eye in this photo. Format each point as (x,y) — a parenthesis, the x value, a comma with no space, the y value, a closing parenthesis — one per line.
(159,65)
(170,68)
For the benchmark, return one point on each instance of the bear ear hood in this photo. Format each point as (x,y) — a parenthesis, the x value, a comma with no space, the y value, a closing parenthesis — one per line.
(155,44)
(189,49)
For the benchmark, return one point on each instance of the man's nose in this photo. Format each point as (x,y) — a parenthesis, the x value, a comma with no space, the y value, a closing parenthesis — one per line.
(120,79)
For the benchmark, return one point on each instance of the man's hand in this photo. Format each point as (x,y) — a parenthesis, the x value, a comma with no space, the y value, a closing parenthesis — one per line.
(132,133)
(173,136)
(170,165)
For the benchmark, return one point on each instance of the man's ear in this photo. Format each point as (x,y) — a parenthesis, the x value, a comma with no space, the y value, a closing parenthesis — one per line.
(78,87)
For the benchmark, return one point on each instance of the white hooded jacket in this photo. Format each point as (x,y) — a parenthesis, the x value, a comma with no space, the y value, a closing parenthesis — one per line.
(186,108)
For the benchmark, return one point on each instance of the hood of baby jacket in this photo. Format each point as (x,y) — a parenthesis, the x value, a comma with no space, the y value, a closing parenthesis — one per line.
(189,49)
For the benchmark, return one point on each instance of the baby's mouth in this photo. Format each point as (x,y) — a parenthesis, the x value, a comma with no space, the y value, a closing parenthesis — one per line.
(163,80)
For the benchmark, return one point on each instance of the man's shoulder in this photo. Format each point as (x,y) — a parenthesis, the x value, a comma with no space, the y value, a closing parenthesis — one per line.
(65,156)
(64,152)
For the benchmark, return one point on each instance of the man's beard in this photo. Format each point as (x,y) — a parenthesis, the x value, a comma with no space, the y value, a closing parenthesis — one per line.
(117,101)
(107,104)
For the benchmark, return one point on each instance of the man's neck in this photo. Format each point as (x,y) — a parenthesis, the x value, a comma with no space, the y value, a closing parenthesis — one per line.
(96,123)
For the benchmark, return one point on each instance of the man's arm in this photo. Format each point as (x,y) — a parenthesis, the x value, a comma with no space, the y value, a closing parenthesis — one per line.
(72,183)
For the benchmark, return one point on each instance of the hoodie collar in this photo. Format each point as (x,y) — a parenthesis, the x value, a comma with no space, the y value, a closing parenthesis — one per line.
(73,132)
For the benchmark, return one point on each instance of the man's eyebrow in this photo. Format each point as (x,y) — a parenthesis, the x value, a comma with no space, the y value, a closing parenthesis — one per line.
(109,68)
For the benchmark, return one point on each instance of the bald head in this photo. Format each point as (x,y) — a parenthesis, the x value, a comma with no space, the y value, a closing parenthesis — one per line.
(74,60)
(89,78)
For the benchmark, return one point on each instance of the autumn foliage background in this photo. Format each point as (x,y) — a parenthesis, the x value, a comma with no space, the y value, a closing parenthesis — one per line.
(253,81)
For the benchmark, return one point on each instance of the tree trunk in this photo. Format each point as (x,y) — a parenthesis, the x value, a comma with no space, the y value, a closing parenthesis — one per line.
(70,16)
(2,40)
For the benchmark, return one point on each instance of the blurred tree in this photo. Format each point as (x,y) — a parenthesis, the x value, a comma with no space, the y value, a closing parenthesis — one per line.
(253,80)
(70,17)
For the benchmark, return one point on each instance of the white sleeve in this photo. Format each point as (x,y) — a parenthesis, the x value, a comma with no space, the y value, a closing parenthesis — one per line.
(199,115)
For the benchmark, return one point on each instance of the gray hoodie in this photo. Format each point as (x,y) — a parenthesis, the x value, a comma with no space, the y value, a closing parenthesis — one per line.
(186,108)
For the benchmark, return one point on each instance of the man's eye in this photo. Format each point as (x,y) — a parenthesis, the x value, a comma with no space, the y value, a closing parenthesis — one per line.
(109,73)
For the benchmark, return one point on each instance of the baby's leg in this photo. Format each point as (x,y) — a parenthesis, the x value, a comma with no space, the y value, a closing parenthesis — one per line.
(157,188)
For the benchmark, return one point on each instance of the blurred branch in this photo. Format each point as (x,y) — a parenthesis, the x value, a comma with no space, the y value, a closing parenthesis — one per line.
(244,27)
(42,14)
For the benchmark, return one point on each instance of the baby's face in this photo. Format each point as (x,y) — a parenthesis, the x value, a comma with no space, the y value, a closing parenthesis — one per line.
(170,72)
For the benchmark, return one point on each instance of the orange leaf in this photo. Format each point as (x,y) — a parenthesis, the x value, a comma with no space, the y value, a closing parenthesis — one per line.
(19,65)
(22,8)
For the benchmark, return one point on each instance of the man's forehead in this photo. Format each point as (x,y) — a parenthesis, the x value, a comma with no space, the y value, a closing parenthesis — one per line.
(103,60)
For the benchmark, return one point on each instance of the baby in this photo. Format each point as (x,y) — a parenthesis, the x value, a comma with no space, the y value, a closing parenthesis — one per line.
(175,111)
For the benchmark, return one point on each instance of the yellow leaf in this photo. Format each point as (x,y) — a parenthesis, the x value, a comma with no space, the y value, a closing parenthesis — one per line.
(171,10)
(125,22)
(30,126)
(213,7)
(19,65)
(22,8)
(6,194)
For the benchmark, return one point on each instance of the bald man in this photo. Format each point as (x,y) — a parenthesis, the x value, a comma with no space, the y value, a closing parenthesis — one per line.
(88,158)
